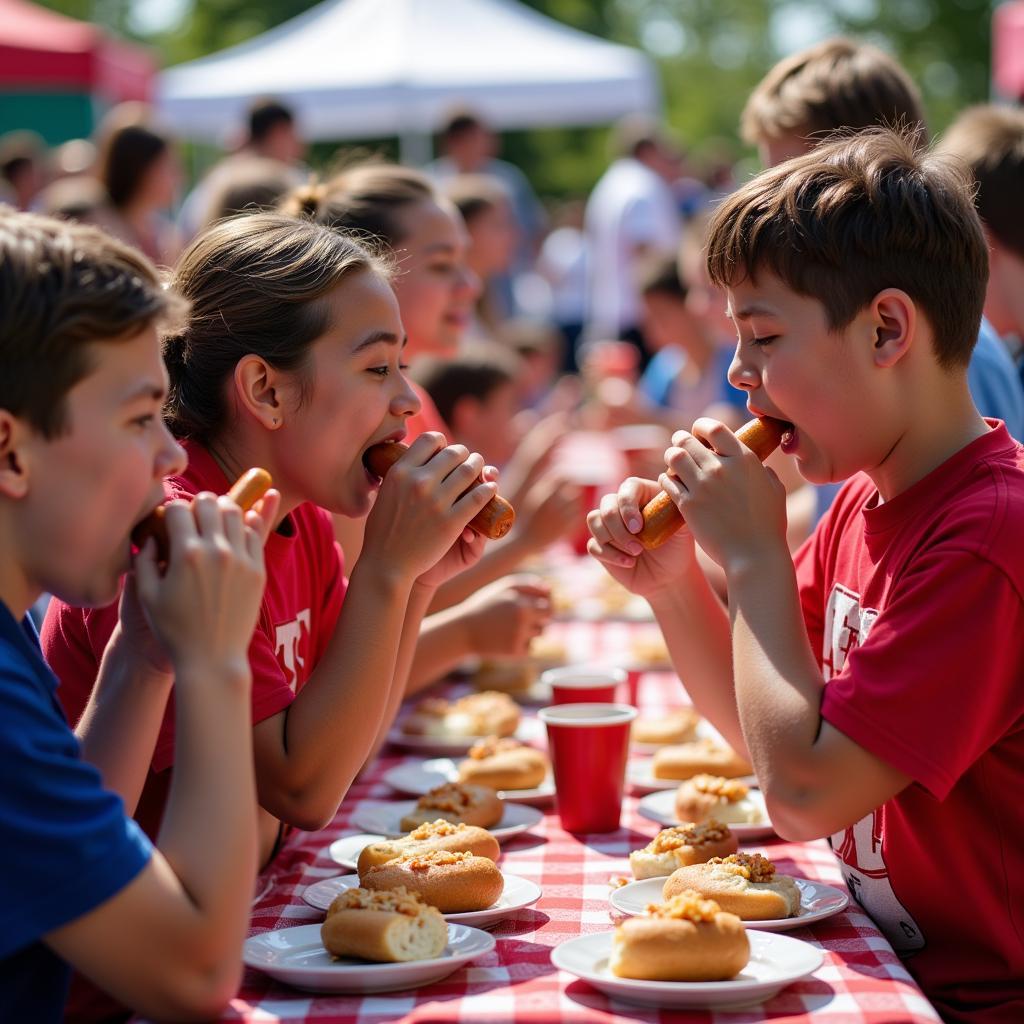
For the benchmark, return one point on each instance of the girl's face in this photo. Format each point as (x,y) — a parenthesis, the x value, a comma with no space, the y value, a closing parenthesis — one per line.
(493,237)
(161,181)
(350,395)
(435,289)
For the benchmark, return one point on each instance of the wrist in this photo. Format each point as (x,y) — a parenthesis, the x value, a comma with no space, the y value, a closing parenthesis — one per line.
(378,573)
(231,672)
(134,663)
(742,566)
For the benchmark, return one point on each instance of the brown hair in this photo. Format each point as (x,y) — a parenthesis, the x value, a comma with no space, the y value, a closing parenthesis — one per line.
(475,372)
(126,154)
(990,140)
(838,83)
(366,201)
(63,286)
(257,285)
(853,217)
(473,194)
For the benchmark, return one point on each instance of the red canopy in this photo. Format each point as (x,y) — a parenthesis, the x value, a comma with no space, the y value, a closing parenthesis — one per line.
(1008,49)
(40,48)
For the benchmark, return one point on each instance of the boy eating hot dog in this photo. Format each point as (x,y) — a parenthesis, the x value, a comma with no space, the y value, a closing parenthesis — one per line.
(83,452)
(876,683)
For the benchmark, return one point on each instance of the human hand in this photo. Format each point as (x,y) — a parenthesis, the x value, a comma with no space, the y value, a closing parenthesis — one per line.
(551,509)
(418,524)
(203,608)
(613,543)
(503,617)
(734,506)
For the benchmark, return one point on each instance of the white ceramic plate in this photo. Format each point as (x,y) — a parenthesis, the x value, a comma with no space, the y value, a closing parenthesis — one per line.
(817,901)
(296,956)
(530,731)
(640,776)
(775,962)
(660,807)
(517,894)
(385,819)
(419,777)
(345,851)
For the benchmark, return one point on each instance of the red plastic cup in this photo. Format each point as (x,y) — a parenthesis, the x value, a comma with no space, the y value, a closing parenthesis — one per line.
(590,496)
(583,684)
(588,744)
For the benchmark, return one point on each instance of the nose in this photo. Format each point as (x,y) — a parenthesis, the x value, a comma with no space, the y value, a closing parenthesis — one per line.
(743,374)
(468,283)
(405,402)
(171,459)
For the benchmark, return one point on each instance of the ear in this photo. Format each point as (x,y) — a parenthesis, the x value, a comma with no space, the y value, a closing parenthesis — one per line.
(260,391)
(14,434)
(894,322)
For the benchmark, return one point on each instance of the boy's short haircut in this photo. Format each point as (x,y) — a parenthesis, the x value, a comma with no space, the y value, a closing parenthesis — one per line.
(835,84)
(528,336)
(990,140)
(265,115)
(62,286)
(474,194)
(476,372)
(853,217)
(660,276)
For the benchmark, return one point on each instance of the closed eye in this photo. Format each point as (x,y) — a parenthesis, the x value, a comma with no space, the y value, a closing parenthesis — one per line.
(767,340)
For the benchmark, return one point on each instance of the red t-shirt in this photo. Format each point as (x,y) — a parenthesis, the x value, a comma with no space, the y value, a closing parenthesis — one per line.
(917,609)
(303,597)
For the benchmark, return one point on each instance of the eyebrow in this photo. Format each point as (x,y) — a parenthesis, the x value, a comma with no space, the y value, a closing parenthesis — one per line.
(145,390)
(749,310)
(380,336)
(440,247)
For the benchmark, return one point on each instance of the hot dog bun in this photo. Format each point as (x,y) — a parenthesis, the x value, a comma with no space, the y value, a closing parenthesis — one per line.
(677,726)
(244,492)
(389,926)
(743,884)
(685,939)
(454,801)
(504,764)
(455,883)
(661,516)
(712,796)
(488,713)
(698,757)
(434,835)
(494,520)
(680,845)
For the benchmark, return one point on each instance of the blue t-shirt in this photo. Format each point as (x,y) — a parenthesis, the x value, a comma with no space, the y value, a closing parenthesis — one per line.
(66,845)
(994,383)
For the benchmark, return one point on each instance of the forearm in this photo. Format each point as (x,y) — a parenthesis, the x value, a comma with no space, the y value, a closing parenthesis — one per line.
(499,559)
(444,642)
(778,682)
(208,834)
(696,629)
(330,728)
(118,729)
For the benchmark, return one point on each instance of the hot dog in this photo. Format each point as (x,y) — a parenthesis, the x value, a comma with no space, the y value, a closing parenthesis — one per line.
(245,492)
(661,516)
(494,520)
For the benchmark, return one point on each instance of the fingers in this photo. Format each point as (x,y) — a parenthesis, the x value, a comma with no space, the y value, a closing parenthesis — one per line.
(146,577)
(633,495)
(263,515)
(717,436)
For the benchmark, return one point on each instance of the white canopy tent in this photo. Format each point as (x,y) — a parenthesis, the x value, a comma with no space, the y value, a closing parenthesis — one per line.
(372,68)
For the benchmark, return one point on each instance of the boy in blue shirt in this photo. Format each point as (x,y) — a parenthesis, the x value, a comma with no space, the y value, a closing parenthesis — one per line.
(83,452)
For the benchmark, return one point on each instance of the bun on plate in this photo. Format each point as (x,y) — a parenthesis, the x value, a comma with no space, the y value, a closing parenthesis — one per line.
(477,714)
(433,835)
(508,675)
(705,756)
(680,845)
(456,802)
(504,764)
(712,796)
(744,884)
(453,882)
(389,926)
(678,726)
(687,938)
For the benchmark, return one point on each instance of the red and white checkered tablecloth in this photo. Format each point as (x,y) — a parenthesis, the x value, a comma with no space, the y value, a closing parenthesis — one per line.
(861,982)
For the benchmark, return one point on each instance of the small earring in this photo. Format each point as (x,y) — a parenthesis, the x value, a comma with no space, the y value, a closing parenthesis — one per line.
(275,421)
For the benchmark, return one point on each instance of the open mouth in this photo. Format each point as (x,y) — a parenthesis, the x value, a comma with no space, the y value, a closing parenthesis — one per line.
(789,439)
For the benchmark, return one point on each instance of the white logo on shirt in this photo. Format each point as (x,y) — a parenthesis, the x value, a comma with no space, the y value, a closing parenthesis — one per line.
(860,849)
(287,637)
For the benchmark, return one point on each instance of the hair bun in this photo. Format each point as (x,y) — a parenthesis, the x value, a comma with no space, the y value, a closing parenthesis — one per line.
(305,200)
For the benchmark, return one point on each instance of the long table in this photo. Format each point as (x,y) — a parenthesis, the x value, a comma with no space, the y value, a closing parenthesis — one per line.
(862,981)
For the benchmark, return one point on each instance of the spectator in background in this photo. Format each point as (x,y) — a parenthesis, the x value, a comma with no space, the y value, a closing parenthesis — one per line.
(23,170)
(272,134)
(990,140)
(486,207)
(843,84)
(631,215)
(562,263)
(468,146)
(139,171)
(254,185)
